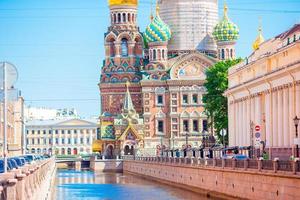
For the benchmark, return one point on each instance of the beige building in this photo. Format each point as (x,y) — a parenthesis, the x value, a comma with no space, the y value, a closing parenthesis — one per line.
(15,127)
(62,137)
(264,95)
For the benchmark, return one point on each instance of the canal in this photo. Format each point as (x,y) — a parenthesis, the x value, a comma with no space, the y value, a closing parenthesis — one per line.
(87,185)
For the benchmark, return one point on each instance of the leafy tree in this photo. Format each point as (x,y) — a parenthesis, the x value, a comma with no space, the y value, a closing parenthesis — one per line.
(214,102)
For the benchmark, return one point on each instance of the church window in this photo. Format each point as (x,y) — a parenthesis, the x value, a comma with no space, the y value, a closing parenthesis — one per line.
(160,99)
(231,53)
(163,54)
(128,17)
(288,41)
(115,18)
(124,47)
(185,99)
(294,38)
(154,54)
(161,126)
(124,17)
(119,17)
(223,54)
(133,18)
(186,125)
(205,125)
(195,125)
(195,98)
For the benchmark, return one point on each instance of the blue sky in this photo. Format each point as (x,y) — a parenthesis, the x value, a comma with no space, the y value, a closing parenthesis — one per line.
(57,45)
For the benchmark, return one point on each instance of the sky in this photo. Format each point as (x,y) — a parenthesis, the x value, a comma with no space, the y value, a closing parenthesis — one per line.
(57,45)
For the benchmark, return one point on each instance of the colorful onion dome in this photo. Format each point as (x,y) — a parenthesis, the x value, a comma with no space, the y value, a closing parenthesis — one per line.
(122,2)
(157,30)
(259,40)
(226,30)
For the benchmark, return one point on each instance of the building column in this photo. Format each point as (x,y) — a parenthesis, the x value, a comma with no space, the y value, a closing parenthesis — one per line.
(269,141)
(279,118)
(286,137)
(244,119)
(248,119)
(275,123)
(291,115)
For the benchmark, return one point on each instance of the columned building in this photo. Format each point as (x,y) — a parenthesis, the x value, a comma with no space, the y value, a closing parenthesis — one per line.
(264,95)
(61,137)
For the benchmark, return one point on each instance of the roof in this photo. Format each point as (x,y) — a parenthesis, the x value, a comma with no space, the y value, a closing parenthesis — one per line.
(66,122)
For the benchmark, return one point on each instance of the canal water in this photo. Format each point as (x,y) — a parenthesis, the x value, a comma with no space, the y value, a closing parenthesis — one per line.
(87,185)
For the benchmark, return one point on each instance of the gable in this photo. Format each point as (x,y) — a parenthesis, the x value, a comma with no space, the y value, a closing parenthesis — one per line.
(191,67)
(76,122)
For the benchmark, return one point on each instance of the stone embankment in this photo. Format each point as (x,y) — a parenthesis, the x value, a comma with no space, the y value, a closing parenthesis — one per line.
(31,182)
(225,179)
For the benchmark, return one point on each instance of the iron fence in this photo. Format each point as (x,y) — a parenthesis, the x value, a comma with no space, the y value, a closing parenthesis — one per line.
(267,164)
(240,163)
(252,164)
(285,166)
(218,162)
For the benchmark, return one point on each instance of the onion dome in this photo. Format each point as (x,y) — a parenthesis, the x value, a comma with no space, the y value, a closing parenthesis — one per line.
(157,30)
(259,40)
(122,2)
(225,30)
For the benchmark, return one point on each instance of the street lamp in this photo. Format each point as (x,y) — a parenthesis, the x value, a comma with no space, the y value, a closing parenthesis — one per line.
(251,139)
(296,122)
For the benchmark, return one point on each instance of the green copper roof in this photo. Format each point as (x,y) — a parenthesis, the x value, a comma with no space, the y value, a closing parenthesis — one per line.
(226,30)
(157,31)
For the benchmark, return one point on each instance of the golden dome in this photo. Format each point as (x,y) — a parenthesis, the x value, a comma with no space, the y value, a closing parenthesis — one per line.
(122,2)
(259,40)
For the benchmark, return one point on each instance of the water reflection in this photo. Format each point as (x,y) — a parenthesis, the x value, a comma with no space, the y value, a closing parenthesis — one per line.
(74,185)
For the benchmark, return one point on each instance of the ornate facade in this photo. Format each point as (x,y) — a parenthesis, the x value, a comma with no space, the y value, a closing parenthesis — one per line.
(264,96)
(151,98)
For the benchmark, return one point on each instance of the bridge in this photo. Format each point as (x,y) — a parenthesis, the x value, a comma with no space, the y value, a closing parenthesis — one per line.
(74,162)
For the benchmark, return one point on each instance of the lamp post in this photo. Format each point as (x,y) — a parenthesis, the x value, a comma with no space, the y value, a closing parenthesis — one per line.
(296,122)
(251,139)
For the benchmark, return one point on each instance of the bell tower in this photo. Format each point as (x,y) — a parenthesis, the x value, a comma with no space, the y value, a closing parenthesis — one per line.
(123,44)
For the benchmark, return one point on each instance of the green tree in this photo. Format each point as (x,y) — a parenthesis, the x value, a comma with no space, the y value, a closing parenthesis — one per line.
(215,102)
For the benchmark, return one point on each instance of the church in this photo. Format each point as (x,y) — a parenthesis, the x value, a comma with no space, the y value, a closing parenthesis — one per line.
(151,97)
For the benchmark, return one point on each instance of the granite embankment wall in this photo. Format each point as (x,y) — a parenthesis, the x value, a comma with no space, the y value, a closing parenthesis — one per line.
(214,181)
(31,182)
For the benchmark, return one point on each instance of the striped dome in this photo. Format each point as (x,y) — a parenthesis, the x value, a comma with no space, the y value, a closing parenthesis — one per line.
(157,31)
(226,30)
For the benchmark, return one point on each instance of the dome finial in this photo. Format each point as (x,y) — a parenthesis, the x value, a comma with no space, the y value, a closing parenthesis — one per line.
(259,39)
(151,15)
(157,8)
(225,10)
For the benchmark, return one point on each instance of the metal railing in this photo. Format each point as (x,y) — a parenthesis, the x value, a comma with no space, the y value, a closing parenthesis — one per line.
(249,164)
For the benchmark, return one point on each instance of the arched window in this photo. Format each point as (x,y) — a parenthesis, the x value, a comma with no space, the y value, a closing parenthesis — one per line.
(124,47)
(128,17)
(163,54)
(124,17)
(133,18)
(119,17)
(223,54)
(231,53)
(154,54)
(32,150)
(115,18)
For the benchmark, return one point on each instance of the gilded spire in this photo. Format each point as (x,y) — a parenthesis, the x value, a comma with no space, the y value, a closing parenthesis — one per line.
(157,8)
(225,10)
(151,15)
(259,39)
(128,104)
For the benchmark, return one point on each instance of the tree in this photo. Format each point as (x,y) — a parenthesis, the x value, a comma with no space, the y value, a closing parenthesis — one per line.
(215,103)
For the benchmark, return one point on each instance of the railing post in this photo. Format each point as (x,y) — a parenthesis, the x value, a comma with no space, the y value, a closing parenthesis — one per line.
(246,164)
(214,162)
(275,164)
(259,164)
(295,165)
(11,188)
(223,163)
(21,186)
(233,163)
